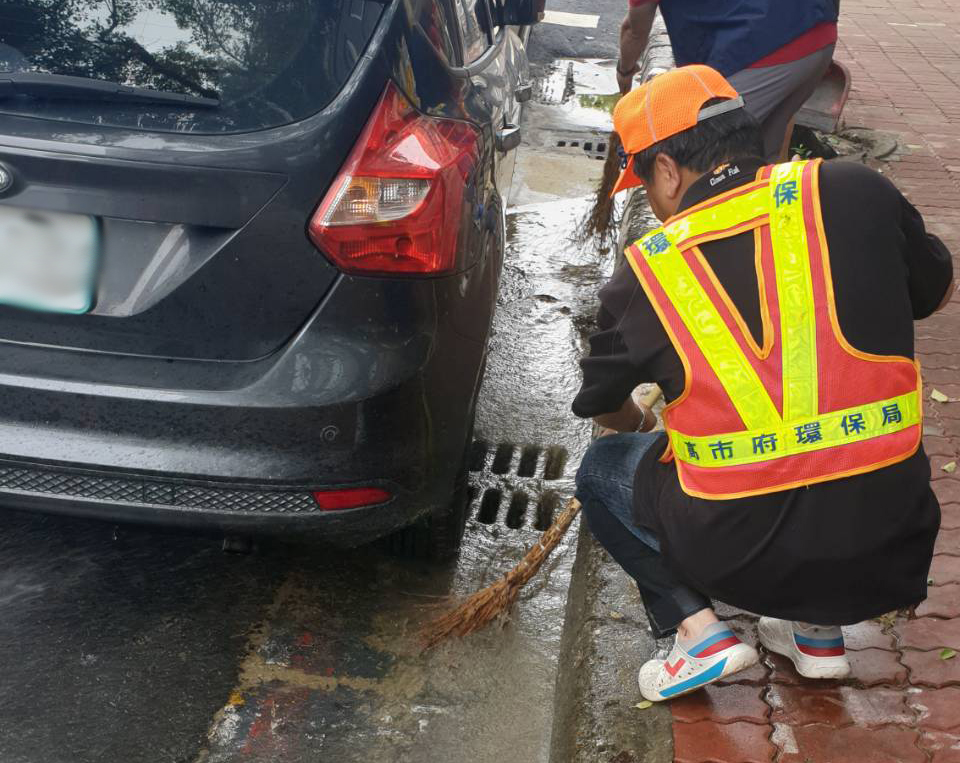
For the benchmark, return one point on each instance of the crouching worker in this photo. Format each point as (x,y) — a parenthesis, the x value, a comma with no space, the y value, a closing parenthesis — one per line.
(775,309)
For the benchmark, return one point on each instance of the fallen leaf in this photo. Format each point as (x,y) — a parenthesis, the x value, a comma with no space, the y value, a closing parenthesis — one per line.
(939,396)
(616,615)
(948,654)
(647,703)
(950,468)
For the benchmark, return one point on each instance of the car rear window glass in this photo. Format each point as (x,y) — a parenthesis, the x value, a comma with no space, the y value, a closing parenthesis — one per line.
(270,62)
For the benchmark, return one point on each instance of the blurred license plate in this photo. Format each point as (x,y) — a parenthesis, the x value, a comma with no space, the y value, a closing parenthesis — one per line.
(47,260)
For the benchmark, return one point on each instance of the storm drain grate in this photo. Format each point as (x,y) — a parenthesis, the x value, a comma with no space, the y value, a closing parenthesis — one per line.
(519,498)
(546,462)
(546,508)
(593,148)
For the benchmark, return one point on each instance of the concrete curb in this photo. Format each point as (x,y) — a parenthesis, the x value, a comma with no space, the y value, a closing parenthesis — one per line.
(606,636)
(606,639)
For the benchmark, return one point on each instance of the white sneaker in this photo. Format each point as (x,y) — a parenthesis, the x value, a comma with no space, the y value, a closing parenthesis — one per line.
(684,671)
(816,652)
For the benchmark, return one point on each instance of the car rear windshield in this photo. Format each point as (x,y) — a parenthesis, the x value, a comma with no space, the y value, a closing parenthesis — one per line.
(269,62)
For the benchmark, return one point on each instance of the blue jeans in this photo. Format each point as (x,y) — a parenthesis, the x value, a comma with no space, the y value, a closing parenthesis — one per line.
(605,489)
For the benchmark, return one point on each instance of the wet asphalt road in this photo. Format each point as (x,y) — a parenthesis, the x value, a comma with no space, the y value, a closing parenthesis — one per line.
(130,644)
(552,41)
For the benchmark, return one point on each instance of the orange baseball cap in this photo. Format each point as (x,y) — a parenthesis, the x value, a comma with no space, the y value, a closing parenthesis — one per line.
(664,106)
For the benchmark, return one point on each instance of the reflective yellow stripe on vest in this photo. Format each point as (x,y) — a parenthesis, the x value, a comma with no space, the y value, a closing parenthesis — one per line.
(700,316)
(800,436)
(720,217)
(798,328)
(782,200)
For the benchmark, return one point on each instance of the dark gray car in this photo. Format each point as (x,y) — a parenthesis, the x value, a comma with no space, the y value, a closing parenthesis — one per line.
(249,255)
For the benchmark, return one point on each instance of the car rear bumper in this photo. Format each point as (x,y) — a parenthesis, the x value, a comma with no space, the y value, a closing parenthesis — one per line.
(376,390)
(227,508)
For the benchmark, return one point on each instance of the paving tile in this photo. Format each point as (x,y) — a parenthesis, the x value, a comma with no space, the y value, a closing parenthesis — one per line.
(942,601)
(928,669)
(783,672)
(948,541)
(937,462)
(945,569)
(869,667)
(934,445)
(722,743)
(823,744)
(939,709)
(949,515)
(758,675)
(866,635)
(839,706)
(875,667)
(929,633)
(948,491)
(943,747)
(722,704)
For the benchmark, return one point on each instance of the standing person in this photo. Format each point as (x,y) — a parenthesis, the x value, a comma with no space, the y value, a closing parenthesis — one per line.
(773,53)
(775,309)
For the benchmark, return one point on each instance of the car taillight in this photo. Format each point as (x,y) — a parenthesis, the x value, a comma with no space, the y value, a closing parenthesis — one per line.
(350,498)
(397,203)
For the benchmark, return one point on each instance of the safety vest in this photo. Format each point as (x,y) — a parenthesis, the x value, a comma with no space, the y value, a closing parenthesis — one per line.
(803,407)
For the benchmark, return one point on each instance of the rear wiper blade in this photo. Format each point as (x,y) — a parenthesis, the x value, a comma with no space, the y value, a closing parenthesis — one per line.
(42,85)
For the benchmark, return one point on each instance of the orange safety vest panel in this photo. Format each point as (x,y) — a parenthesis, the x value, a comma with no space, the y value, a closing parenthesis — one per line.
(805,407)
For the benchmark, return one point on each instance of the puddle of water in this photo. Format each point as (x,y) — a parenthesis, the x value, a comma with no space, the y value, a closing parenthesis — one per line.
(566,131)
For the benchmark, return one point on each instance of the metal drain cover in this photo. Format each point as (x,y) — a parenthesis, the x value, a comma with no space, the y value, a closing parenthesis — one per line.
(509,484)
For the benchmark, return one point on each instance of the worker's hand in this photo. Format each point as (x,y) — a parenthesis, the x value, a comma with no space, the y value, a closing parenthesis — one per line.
(625,81)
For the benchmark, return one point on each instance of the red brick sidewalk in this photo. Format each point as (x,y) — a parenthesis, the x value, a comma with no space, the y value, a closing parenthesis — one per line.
(903,703)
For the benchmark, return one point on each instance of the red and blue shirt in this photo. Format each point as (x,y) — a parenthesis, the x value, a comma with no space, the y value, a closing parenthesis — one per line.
(730,36)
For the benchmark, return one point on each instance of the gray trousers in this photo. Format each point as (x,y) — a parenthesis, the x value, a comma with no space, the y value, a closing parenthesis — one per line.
(774,94)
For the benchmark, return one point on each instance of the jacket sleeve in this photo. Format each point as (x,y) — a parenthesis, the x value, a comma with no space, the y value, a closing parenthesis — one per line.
(929,264)
(609,373)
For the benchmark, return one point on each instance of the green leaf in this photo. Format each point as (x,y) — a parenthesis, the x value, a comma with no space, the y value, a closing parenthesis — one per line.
(950,468)
(948,654)
(643,705)
(939,396)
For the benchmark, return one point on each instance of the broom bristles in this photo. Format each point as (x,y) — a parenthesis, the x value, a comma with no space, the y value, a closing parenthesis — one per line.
(497,600)
(599,222)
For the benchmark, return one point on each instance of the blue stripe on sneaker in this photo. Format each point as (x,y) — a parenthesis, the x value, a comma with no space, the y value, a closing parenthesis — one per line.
(709,642)
(819,643)
(692,683)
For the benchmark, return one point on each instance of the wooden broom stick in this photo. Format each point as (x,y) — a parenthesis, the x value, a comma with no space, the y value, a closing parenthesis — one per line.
(496,600)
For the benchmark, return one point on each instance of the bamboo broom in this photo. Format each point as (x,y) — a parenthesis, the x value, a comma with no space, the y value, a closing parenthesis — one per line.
(599,221)
(496,600)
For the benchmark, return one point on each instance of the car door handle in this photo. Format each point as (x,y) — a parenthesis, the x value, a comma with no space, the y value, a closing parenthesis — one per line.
(508,138)
(523,93)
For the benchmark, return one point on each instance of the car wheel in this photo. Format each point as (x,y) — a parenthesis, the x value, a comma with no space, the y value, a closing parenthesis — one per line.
(437,536)
(446,527)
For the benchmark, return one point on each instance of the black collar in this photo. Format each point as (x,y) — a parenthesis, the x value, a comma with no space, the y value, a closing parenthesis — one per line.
(723,178)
